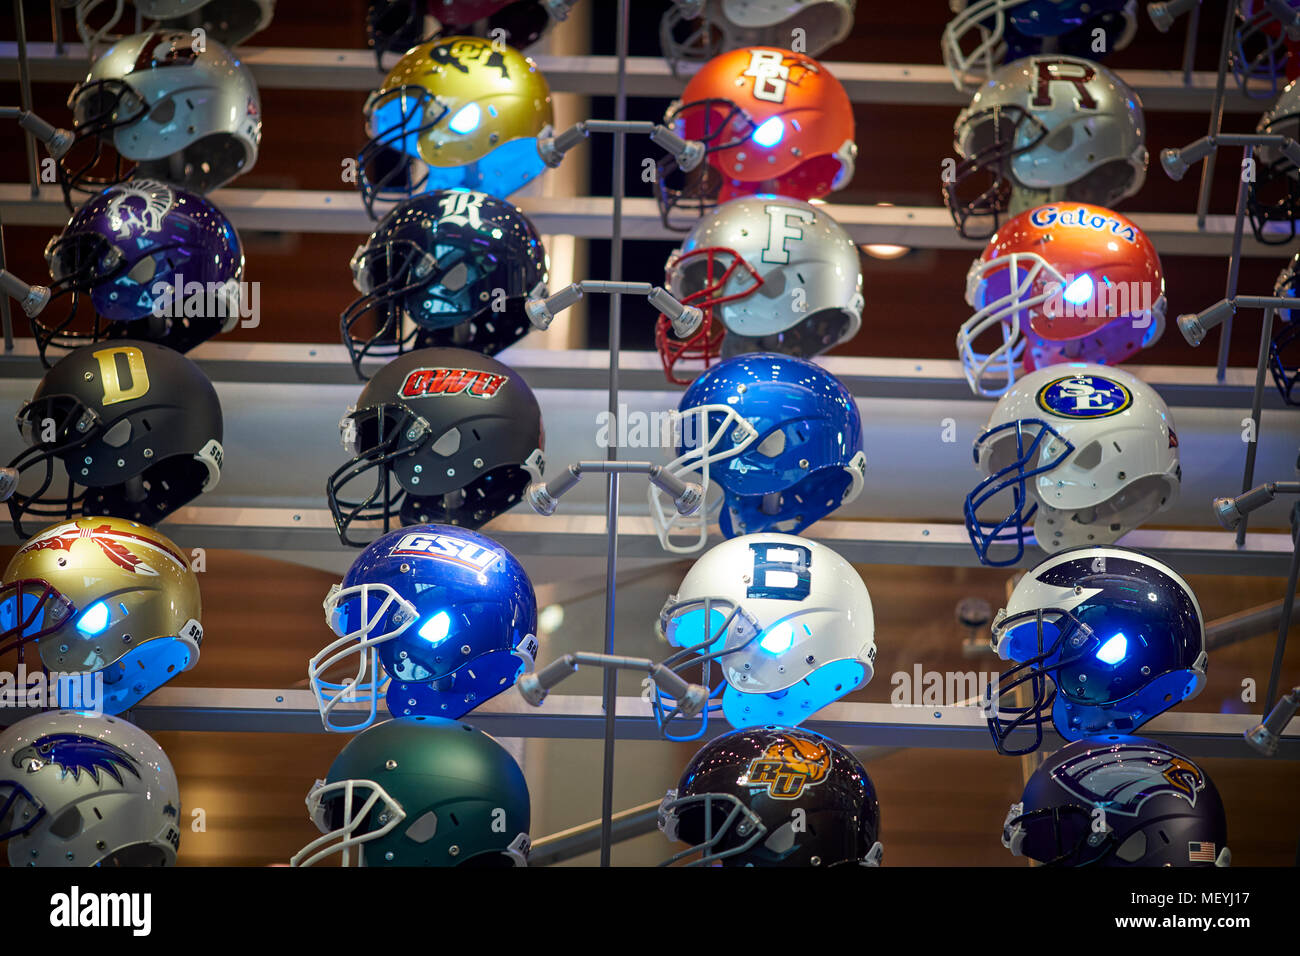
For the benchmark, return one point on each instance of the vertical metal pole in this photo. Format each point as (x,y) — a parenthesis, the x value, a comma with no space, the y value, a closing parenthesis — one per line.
(6,317)
(25,84)
(1234,264)
(1256,404)
(1189,43)
(610,689)
(1216,113)
(57,20)
(1288,603)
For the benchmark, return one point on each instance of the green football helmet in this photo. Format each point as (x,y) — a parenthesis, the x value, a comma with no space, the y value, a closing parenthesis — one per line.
(421,791)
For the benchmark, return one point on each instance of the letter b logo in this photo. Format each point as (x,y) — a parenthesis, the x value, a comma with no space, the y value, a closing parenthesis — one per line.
(781,572)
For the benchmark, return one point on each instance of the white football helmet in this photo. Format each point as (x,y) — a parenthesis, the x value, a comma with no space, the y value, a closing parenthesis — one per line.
(83,790)
(788,620)
(1085,452)
(698,30)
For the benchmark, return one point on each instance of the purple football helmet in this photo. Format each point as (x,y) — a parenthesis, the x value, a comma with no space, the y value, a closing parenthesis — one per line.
(154,262)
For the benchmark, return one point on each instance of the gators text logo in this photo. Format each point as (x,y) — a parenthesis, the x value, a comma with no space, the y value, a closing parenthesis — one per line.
(73,753)
(1083,218)
(1084,396)
(1123,777)
(451,381)
(788,765)
(448,548)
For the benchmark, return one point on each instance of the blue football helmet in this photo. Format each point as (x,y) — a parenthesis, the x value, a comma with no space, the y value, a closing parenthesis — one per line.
(780,436)
(439,617)
(1284,353)
(1119,634)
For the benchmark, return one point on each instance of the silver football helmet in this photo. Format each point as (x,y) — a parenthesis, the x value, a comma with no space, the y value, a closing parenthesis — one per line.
(1042,129)
(184,113)
(83,790)
(698,30)
(227,21)
(771,275)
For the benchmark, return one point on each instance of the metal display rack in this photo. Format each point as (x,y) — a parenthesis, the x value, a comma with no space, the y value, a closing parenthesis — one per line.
(287,528)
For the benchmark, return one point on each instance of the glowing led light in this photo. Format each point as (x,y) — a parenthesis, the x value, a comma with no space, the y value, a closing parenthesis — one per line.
(1113,651)
(436,628)
(778,639)
(466,119)
(94,620)
(770,133)
(1080,290)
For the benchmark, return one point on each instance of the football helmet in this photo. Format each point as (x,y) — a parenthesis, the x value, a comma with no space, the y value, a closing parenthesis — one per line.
(456,112)
(1119,635)
(771,121)
(770,275)
(429,275)
(446,616)
(1041,129)
(394,26)
(132,251)
(460,434)
(1284,352)
(1066,282)
(103,596)
(136,425)
(420,791)
(1119,801)
(1273,196)
(1081,453)
(697,30)
(774,796)
(229,22)
(1261,44)
(788,621)
(985,33)
(78,789)
(780,436)
(186,116)
(522,21)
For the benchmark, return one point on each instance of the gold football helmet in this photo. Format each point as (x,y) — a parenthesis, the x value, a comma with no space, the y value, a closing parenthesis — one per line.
(460,112)
(103,595)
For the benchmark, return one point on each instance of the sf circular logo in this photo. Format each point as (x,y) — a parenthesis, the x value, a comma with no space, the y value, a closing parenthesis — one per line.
(1084,396)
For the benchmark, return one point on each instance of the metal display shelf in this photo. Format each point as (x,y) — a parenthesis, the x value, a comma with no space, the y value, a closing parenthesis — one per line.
(588,217)
(588,369)
(243,710)
(917,84)
(933,544)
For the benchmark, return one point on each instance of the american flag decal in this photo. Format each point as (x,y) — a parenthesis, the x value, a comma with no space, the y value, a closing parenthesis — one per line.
(1200,852)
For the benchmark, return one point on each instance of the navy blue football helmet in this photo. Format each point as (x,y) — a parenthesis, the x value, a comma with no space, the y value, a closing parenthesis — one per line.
(439,617)
(779,435)
(1284,353)
(1118,635)
(1119,801)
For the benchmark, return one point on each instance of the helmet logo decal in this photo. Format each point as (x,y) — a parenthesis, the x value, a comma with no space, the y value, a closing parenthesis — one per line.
(452,381)
(166,49)
(73,753)
(770,73)
(114,390)
(782,225)
(1122,778)
(467,52)
(787,766)
(110,541)
(1084,397)
(462,208)
(139,203)
(1046,71)
(1081,218)
(781,571)
(447,547)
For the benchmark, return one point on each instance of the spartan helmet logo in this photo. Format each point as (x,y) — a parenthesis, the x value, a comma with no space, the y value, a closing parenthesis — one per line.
(1123,777)
(788,765)
(139,205)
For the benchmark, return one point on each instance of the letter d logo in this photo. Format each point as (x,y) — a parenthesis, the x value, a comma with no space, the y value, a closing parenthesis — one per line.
(137,378)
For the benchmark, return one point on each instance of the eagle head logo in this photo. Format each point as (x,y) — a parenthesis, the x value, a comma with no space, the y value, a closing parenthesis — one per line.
(75,754)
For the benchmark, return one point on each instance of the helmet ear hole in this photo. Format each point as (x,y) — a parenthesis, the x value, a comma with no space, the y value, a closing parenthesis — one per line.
(423,829)
(67,824)
(773,444)
(448,443)
(1088,457)
(1134,848)
(119,434)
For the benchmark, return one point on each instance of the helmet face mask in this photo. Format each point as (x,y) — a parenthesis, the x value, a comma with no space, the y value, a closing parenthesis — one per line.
(1260,49)
(1273,197)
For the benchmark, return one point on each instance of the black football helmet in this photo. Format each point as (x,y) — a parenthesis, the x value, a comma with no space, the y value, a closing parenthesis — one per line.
(136,425)
(1284,352)
(458,433)
(1119,801)
(774,796)
(450,268)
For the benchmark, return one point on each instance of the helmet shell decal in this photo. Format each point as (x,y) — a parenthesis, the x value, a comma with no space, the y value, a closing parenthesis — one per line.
(1123,777)
(141,203)
(451,381)
(788,765)
(448,547)
(1082,217)
(1084,396)
(73,753)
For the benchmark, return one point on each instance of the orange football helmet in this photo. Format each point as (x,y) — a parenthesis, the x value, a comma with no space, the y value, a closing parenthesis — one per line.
(1064,282)
(772,121)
